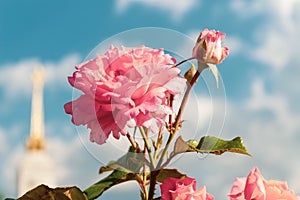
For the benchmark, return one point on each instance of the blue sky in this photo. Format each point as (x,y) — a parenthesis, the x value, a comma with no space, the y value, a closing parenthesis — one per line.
(260,78)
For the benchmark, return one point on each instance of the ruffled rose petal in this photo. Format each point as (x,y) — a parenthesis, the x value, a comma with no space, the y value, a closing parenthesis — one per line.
(124,88)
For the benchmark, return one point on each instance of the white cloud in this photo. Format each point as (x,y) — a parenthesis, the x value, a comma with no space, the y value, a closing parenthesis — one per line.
(9,170)
(247,9)
(272,112)
(270,128)
(277,38)
(274,49)
(235,45)
(280,8)
(15,78)
(197,116)
(260,100)
(57,72)
(177,9)
(73,165)
(10,133)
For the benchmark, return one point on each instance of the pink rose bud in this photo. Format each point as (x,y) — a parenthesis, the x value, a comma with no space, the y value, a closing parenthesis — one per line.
(208,48)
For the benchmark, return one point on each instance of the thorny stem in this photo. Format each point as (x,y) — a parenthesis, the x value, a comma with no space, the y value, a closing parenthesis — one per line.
(184,100)
(178,117)
(173,130)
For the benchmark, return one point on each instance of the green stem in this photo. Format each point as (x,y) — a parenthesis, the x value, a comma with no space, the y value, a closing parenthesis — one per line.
(153,176)
(133,143)
(184,100)
(154,173)
(183,61)
(150,195)
(171,106)
(145,176)
(147,145)
(158,143)
(178,117)
(171,136)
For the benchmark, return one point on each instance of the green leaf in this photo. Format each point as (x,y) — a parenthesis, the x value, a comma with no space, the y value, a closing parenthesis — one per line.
(124,169)
(169,173)
(105,169)
(116,177)
(190,73)
(44,192)
(213,68)
(73,193)
(210,144)
(182,146)
(130,162)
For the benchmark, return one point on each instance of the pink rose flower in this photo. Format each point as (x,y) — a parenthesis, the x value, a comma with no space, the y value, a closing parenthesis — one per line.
(279,190)
(183,189)
(254,186)
(208,48)
(124,88)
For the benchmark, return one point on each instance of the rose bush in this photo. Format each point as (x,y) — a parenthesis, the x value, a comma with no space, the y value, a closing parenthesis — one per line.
(127,88)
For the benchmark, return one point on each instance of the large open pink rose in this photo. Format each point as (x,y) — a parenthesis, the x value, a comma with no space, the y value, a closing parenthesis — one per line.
(255,187)
(183,189)
(208,48)
(124,88)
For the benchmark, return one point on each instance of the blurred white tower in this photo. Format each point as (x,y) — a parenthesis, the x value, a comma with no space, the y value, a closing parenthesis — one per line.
(36,166)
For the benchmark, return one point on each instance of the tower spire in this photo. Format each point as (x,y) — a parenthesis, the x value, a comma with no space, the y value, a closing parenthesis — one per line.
(36,166)
(36,139)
